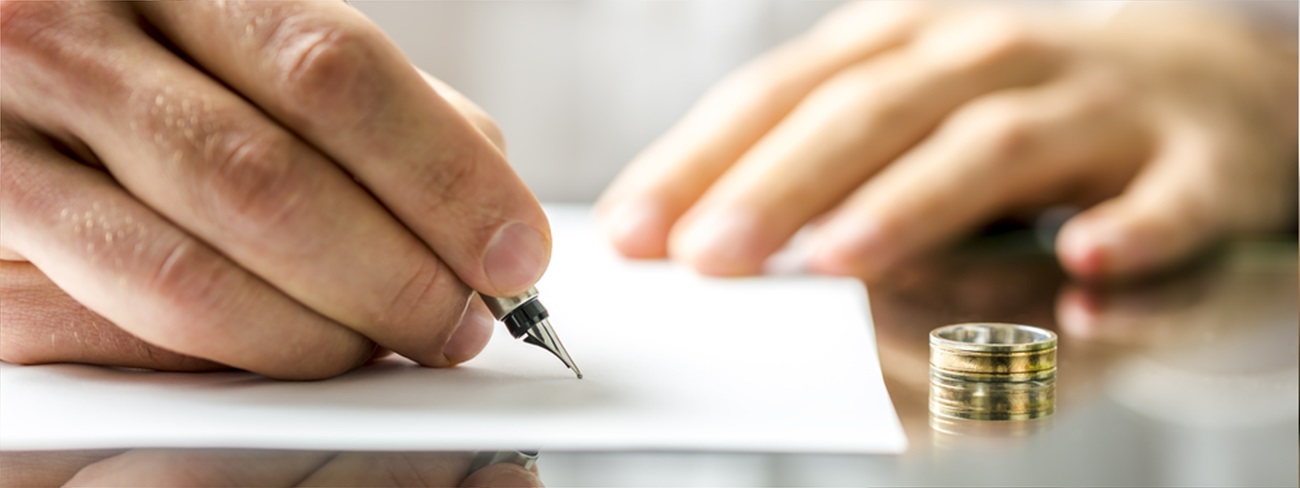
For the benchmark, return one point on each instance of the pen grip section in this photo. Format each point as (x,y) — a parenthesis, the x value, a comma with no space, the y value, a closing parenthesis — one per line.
(503,306)
(524,317)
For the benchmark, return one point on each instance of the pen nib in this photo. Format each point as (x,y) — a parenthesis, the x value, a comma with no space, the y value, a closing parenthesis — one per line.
(543,335)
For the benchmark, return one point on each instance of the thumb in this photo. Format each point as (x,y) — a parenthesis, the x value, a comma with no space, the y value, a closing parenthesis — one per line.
(1169,213)
(502,475)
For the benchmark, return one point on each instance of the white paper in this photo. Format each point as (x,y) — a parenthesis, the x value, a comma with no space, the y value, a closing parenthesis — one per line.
(672,361)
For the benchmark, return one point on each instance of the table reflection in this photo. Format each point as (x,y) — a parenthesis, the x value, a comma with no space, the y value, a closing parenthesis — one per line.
(252,467)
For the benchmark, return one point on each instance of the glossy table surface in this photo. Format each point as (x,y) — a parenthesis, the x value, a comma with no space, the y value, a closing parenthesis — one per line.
(1190,379)
(1187,380)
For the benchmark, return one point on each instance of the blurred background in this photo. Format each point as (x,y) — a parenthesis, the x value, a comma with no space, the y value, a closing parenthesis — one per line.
(578,87)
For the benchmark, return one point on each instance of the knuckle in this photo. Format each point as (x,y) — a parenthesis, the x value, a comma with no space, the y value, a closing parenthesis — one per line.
(21,22)
(205,300)
(430,301)
(1103,93)
(491,130)
(762,92)
(189,277)
(471,112)
(318,62)
(254,179)
(405,304)
(850,85)
(866,19)
(26,25)
(764,82)
(1011,140)
(984,40)
(863,102)
(1004,39)
(876,101)
(58,39)
(198,294)
(447,177)
(1003,127)
(410,303)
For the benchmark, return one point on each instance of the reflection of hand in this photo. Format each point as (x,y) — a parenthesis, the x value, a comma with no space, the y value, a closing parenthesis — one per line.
(182,467)
(269,186)
(1250,288)
(911,125)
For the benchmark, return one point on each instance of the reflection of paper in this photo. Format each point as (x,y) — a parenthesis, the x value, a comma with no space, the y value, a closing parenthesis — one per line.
(672,361)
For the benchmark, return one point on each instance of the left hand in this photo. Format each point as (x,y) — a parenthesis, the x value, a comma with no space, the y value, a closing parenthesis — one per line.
(897,127)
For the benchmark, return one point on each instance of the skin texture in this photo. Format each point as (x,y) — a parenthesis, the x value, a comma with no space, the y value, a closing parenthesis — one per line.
(268,186)
(190,467)
(891,129)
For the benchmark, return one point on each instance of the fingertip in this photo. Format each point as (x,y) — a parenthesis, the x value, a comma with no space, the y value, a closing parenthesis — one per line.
(1082,248)
(516,258)
(1138,234)
(1112,243)
(503,475)
(636,229)
(721,243)
(832,259)
(843,248)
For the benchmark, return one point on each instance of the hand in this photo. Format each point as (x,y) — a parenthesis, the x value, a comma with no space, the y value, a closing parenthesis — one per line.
(229,467)
(262,185)
(896,127)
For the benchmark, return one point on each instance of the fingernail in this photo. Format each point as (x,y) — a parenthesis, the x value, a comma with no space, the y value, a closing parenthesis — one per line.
(1126,253)
(720,242)
(515,259)
(1087,247)
(512,476)
(471,335)
(637,230)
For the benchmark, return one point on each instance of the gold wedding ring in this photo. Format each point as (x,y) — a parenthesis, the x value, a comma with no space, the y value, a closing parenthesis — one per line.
(1019,351)
(992,371)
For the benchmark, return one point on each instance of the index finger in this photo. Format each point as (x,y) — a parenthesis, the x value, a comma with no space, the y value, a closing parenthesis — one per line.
(666,179)
(326,73)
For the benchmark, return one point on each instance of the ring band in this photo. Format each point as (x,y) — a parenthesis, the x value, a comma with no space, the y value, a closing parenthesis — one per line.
(938,374)
(991,371)
(993,349)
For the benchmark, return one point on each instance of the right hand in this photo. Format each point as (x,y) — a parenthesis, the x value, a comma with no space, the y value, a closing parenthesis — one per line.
(266,186)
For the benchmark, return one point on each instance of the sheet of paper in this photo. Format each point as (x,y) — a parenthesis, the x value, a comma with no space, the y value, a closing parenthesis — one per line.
(672,361)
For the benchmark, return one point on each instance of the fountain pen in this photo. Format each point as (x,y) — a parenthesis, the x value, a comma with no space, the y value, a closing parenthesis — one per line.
(525,317)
